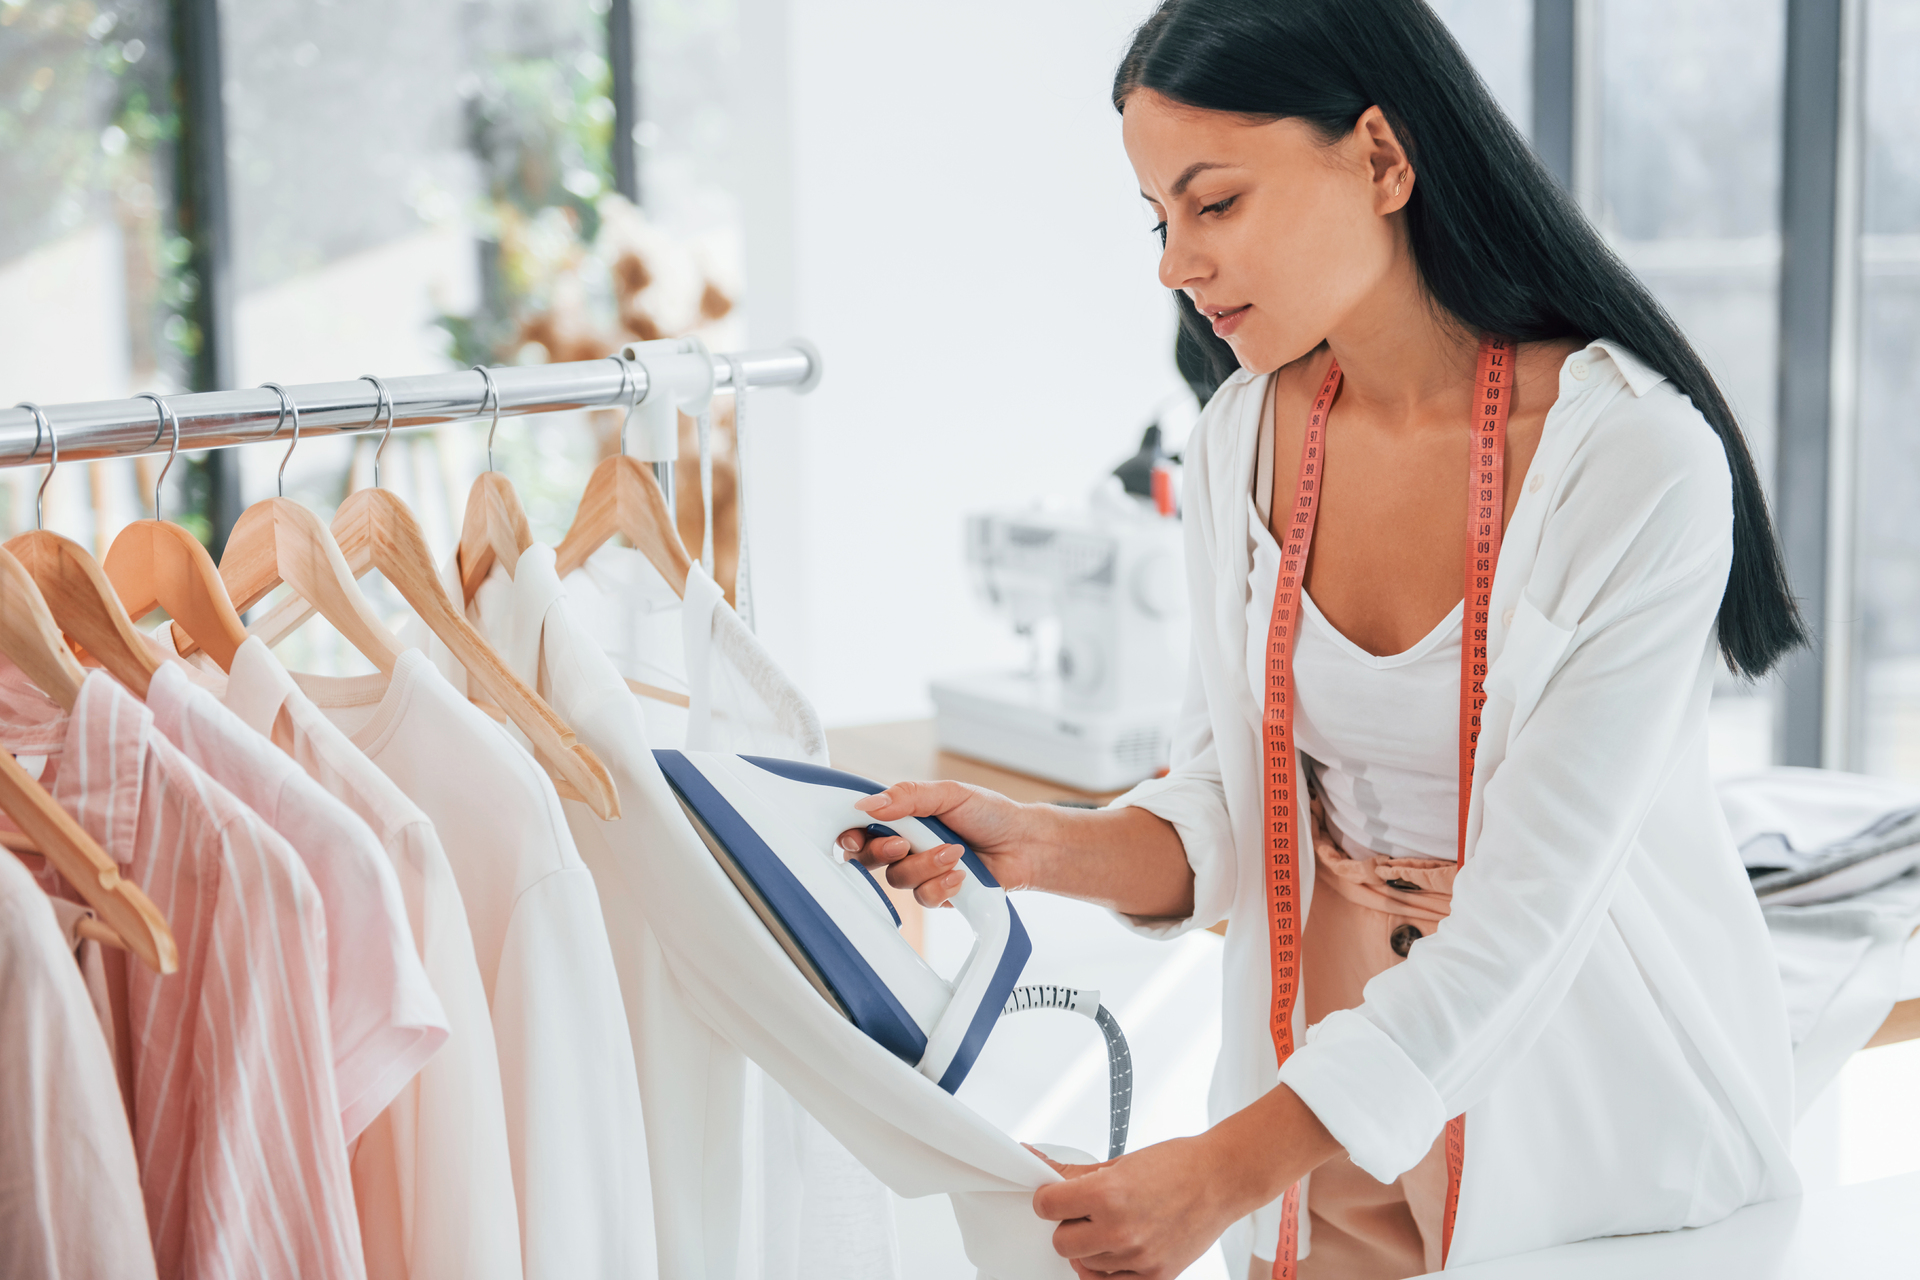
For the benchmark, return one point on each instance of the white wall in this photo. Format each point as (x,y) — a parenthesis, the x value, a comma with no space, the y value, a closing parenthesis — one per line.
(937,196)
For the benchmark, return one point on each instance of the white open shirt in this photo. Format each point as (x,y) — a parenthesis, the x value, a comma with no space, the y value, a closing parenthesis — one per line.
(1603,1002)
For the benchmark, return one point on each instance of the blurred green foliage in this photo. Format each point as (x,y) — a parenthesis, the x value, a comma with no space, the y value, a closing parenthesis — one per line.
(542,129)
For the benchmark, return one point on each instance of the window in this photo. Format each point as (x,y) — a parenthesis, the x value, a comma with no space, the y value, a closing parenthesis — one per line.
(93,279)
(412,203)
(1886,667)
(1497,36)
(1687,190)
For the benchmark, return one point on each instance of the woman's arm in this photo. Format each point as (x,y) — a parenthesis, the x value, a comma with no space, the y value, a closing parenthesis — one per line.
(1126,859)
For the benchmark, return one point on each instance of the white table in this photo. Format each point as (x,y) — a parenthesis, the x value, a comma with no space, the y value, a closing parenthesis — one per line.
(1866,1232)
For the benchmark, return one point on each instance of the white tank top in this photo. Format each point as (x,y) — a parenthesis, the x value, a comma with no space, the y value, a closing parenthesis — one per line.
(1381,734)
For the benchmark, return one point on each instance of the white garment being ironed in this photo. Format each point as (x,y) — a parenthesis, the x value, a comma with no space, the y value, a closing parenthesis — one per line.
(566,1063)
(70,1201)
(739,698)
(685,936)
(432,1176)
(1602,1003)
(812,1211)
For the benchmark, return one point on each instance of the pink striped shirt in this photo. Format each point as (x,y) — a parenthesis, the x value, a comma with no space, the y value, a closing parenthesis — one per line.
(236,1121)
(383,1016)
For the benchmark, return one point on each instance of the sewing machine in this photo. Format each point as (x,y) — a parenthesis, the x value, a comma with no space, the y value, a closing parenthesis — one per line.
(1100,595)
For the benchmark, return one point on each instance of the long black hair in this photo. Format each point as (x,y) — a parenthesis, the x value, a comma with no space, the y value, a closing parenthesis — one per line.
(1497,243)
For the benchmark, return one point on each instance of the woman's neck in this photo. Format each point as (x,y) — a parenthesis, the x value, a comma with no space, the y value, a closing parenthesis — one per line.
(1402,357)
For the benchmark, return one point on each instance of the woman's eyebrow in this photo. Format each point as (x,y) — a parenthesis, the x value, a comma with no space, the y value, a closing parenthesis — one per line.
(1187,176)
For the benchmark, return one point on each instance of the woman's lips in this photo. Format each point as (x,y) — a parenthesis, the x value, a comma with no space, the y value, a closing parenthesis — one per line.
(1225,322)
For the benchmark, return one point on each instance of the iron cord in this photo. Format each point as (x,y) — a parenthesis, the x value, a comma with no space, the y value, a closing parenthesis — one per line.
(1119,1057)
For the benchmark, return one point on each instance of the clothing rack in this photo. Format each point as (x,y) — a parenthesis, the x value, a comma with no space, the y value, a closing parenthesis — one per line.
(220,419)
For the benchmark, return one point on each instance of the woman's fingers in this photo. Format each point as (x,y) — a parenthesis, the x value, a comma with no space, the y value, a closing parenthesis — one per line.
(1107,1268)
(914,800)
(917,869)
(873,851)
(935,893)
(1094,1244)
(1147,1214)
(1064,1170)
(934,875)
(1080,1196)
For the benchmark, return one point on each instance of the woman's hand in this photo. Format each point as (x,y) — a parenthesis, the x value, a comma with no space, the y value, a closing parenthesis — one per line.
(1008,837)
(1126,859)
(1152,1212)
(1149,1214)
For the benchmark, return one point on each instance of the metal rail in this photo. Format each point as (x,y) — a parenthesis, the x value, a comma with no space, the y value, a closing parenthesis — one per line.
(220,419)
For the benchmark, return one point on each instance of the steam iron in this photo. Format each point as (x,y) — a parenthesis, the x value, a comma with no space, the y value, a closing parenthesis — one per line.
(772,826)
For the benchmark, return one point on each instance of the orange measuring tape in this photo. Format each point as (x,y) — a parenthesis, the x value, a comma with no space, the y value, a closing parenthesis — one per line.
(1286,813)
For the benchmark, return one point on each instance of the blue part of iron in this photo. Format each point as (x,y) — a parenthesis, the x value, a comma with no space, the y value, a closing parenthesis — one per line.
(877,830)
(862,997)
(772,825)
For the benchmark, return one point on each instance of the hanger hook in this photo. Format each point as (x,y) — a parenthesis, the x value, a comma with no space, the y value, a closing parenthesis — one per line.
(41,422)
(385,402)
(287,406)
(167,415)
(493,394)
(633,393)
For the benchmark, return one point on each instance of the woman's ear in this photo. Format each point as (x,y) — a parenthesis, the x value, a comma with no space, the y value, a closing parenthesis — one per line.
(1386,161)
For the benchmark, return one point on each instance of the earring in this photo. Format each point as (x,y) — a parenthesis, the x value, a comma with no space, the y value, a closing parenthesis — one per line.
(1400,182)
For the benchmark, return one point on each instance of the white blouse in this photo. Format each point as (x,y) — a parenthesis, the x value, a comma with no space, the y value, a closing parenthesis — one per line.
(1603,1003)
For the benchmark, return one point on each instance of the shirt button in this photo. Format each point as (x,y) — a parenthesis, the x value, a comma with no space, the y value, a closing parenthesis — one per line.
(1533,483)
(1403,938)
(1506,619)
(1579,370)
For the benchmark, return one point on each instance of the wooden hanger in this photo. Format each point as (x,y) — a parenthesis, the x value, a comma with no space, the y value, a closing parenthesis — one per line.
(29,637)
(84,606)
(277,540)
(495,529)
(622,497)
(77,595)
(156,565)
(495,526)
(129,919)
(136,923)
(376,530)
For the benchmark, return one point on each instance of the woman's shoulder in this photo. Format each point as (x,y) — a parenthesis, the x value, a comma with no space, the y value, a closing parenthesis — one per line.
(1647,480)
(1648,436)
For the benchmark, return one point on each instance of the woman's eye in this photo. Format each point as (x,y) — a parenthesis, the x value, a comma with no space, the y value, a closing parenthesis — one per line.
(1160,229)
(1219,206)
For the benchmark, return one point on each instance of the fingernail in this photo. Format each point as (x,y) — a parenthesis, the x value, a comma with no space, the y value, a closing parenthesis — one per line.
(867,804)
(949,855)
(849,844)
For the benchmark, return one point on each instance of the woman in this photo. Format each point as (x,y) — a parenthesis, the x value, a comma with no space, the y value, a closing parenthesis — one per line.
(1594,992)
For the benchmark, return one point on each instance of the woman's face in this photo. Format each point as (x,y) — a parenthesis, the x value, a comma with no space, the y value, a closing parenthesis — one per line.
(1278,236)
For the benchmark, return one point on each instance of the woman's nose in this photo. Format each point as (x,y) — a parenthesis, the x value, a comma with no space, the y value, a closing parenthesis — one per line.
(1180,268)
